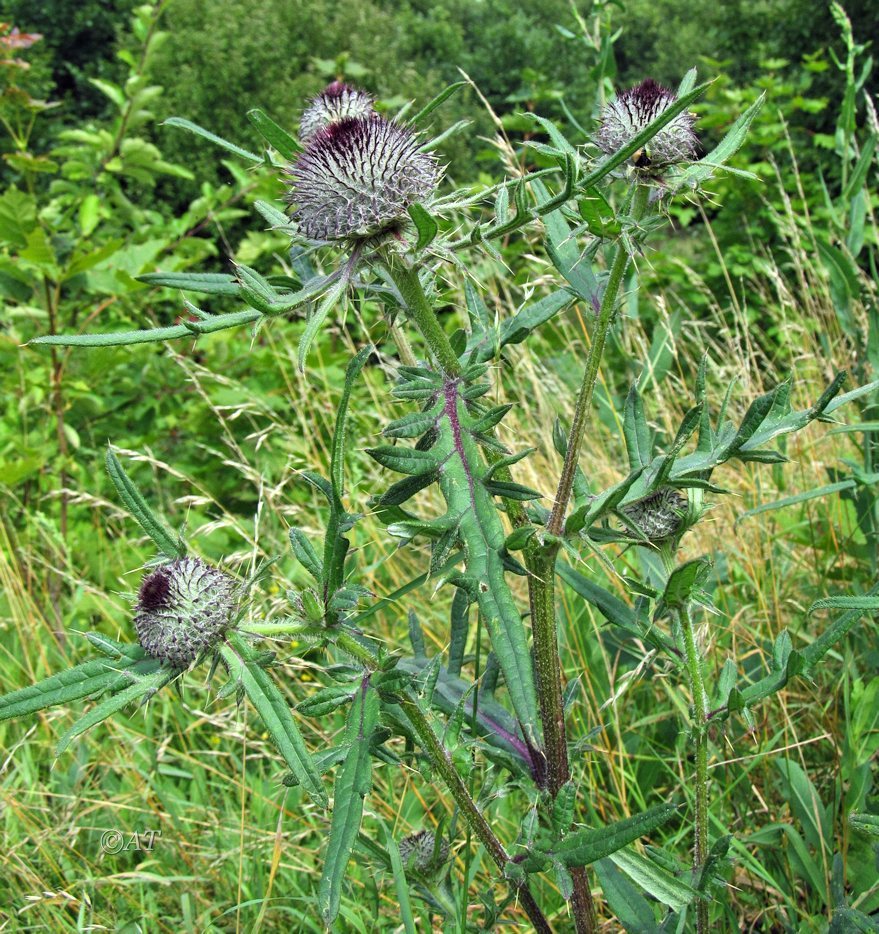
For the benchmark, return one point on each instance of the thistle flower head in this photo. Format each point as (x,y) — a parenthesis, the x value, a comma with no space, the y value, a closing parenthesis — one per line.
(334,103)
(420,854)
(357,176)
(658,516)
(183,608)
(628,114)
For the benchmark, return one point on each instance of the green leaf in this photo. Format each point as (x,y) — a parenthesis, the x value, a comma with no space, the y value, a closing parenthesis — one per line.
(401,884)
(91,677)
(110,90)
(272,708)
(432,105)
(305,554)
(863,602)
(625,900)
(636,430)
(206,283)
(561,246)
(353,783)
(459,631)
(144,686)
(805,805)
(684,582)
(212,137)
(583,847)
(610,606)
(170,545)
(425,224)
(192,329)
(317,319)
(817,493)
(405,460)
(693,175)
(654,880)
(279,139)
(335,542)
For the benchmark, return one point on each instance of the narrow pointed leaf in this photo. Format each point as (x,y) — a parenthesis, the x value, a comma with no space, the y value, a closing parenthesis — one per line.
(272,708)
(168,544)
(212,137)
(353,783)
(144,684)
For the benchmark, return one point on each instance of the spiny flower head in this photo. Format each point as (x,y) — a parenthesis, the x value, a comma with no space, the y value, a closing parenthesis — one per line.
(183,608)
(628,114)
(334,103)
(356,177)
(658,516)
(420,854)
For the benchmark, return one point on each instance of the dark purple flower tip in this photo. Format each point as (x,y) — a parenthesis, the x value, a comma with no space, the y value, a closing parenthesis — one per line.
(154,590)
(356,178)
(631,111)
(336,102)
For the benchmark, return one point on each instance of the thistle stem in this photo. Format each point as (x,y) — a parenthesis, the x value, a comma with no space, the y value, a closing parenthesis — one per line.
(442,762)
(700,735)
(418,308)
(541,559)
(583,407)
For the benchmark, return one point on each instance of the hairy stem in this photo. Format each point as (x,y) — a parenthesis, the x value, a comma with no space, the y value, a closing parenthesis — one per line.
(541,559)
(418,309)
(442,762)
(583,408)
(700,736)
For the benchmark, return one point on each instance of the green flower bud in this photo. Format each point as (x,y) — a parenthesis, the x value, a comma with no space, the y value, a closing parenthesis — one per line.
(658,516)
(421,855)
(183,609)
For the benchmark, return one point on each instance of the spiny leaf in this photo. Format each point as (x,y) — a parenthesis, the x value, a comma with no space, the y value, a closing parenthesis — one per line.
(305,554)
(170,545)
(272,708)
(353,783)
(583,847)
(206,283)
(144,685)
(425,224)
(91,677)
(152,335)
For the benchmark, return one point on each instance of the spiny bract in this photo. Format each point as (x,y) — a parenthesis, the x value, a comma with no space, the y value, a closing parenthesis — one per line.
(419,852)
(631,111)
(183,609)
(334,103)
(659,515)
(356,178)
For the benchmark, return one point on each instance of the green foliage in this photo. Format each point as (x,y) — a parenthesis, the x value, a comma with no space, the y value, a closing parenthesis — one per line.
(282,375)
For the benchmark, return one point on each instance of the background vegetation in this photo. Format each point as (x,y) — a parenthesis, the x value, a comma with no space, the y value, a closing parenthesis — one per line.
(776,276)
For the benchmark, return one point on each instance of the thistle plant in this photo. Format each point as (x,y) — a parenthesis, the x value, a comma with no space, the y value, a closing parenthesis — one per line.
(365,207)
